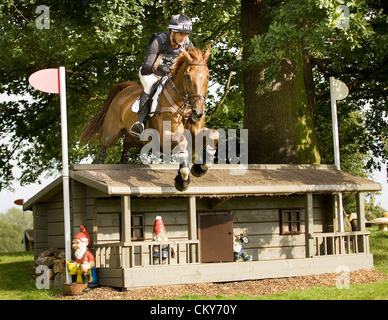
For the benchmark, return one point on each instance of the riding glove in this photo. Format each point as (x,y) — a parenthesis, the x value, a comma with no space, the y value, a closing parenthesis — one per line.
(164,68)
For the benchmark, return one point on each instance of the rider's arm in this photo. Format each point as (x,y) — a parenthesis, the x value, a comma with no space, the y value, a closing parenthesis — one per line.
(152,53)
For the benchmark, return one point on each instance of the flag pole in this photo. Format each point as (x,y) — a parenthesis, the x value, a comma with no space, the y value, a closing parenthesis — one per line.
(333,99)
(65,168)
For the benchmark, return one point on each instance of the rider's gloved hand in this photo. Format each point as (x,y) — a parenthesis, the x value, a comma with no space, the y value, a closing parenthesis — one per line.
(164,68)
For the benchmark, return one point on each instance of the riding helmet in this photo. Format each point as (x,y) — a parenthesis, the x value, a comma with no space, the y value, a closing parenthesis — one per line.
(181,23)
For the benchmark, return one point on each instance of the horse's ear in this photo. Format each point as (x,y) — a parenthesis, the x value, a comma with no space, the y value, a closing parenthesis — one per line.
(185,53)
(207,54)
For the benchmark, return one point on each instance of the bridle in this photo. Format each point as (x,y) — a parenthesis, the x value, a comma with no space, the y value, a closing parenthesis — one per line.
(186,97)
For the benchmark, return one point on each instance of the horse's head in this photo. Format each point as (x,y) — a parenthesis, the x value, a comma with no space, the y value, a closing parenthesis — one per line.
(192,77)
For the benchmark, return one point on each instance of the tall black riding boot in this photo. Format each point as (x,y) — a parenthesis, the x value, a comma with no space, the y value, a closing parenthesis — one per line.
(138,127)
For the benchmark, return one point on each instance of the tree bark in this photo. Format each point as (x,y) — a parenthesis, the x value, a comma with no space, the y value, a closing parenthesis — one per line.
(279,122)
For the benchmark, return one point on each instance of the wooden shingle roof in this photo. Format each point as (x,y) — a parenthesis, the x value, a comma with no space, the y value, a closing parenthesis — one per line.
(221,179)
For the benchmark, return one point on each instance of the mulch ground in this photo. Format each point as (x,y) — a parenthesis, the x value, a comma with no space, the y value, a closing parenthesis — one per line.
(256,287)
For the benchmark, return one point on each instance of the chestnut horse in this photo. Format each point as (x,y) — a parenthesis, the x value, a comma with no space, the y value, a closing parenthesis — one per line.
(181,103)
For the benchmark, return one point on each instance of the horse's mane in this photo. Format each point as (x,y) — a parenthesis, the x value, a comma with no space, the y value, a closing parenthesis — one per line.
(195,53)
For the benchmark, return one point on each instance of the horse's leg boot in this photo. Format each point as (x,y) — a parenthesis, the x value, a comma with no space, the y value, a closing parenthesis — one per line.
(138,127)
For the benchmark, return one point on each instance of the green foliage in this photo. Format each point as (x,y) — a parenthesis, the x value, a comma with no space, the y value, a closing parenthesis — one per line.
(12,225)
(102,43)
(357,56)
(373,211)
(10,237)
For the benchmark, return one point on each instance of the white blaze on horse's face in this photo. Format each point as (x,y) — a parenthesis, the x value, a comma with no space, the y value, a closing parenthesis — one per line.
(197,82)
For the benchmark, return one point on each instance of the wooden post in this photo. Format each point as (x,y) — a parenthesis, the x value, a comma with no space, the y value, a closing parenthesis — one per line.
(192,218)
(126,219)
(360,208)
(192,225)
(335,213)
(309,224)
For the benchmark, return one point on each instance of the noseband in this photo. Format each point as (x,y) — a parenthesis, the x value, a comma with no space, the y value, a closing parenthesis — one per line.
(186,97)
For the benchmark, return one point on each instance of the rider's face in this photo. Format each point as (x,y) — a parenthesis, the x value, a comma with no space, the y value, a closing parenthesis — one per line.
(179,37)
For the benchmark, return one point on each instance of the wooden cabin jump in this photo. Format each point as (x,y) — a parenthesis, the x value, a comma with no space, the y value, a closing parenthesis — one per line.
(289,213)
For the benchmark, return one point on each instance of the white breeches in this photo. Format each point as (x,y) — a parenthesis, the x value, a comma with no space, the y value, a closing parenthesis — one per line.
(147,81)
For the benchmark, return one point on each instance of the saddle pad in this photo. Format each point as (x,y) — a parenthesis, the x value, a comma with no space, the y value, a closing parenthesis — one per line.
(135,105)
(155,98)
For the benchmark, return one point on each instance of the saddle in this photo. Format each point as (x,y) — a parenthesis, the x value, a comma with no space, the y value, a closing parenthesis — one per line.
(156,89)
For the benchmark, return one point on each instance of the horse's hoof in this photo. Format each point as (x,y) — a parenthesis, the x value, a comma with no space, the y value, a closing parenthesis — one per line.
(197,170)
(180,184)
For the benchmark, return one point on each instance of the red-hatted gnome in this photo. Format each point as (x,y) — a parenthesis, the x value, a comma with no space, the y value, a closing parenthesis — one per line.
(85,260)
(160,234)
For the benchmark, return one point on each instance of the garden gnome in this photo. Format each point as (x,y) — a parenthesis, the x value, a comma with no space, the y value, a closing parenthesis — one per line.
(159,234)
(86,262)
(240,254)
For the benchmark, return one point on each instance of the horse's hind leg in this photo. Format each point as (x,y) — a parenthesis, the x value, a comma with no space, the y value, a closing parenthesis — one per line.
(101,155)
(127,143)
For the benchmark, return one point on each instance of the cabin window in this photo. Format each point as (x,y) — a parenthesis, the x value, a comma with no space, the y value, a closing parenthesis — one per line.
(137,227)
(290,221)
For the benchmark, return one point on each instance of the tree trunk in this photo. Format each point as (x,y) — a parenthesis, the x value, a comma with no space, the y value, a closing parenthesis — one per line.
(279,122)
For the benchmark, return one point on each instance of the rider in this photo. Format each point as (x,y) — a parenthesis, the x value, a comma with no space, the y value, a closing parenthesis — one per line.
(163,49)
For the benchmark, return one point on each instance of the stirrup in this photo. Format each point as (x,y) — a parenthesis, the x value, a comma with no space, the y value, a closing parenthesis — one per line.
(135,133)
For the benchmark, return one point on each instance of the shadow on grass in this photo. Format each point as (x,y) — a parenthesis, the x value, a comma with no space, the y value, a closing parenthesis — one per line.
(16,281)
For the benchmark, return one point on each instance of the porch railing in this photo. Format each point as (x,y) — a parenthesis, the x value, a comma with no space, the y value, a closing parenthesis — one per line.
(147,254)
(340,243)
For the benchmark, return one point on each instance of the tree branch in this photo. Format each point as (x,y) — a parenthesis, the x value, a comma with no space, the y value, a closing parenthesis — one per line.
(226,89)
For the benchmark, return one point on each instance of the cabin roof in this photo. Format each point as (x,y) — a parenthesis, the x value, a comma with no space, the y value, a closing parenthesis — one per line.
(220,180)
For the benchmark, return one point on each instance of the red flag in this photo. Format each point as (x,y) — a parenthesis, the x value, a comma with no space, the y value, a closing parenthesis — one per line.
(19,202)
(46,80)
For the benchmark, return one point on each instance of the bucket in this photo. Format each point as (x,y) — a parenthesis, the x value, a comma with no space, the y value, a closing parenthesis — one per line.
(72,267)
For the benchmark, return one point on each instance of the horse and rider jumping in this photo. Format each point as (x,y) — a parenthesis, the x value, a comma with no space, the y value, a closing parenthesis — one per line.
(181,103)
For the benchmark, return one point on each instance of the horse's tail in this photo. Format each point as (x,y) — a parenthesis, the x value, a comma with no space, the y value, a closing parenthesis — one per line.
(97,120)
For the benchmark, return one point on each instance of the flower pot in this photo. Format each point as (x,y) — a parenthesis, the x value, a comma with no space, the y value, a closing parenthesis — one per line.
(73,289)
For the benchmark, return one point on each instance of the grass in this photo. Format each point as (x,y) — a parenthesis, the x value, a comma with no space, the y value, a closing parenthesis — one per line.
(16,281)
(379,248)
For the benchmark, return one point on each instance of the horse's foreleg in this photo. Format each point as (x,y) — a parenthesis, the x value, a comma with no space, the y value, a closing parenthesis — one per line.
(184,170)
(182,179)
(208,154)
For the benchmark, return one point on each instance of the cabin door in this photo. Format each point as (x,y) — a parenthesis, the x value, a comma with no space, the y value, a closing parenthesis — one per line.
(216,236)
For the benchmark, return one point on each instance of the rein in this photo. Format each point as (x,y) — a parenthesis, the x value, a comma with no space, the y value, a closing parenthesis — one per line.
(186,97)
